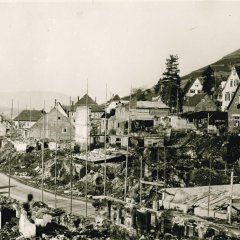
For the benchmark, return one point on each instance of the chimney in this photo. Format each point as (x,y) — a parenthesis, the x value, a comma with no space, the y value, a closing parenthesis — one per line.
(55,102)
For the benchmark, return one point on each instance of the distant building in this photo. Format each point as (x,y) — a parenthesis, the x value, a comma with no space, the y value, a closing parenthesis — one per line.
(82,129)
(114,102)
(230,87)
(27,118)
(195,88)
(53,125)
(95,118)
(199,102)
(144,116)
(5,126)
(234,112)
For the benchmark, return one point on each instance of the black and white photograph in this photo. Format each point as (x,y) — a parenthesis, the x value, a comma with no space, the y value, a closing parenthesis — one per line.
(119,120)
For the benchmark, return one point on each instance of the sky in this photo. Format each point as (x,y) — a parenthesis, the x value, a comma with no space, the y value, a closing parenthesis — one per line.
(59,46)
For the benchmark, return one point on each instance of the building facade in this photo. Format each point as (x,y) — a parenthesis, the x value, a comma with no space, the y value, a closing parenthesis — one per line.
(234,112)
(53,126)
(195,88)
(230,87)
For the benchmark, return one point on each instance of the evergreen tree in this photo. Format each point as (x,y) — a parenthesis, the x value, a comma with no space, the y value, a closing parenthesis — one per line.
(169,85)
(208,80)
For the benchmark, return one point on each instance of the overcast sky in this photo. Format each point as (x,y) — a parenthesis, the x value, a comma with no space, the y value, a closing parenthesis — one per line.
(58,46)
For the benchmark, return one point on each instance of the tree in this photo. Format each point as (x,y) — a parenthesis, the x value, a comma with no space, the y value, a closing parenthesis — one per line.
(208,80)
(169,85)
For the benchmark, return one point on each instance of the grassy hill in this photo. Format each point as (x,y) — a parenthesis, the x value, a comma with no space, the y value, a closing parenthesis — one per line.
(222,68)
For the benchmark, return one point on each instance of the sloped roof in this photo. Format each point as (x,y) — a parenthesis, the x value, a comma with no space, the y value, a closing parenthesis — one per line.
(25,115)
(85,99)
(237,70)
(91,103)
(115,98)
(149,104)
(191,82)
(194,100)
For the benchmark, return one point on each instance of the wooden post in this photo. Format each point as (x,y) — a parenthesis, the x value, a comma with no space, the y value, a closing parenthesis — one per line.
(209,185)
(9,164)
(126,172)
(105,144)
(43,149)
(230,200)
(86,183)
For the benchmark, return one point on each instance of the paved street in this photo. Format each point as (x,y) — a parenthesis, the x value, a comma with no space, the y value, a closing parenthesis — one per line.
(20,192)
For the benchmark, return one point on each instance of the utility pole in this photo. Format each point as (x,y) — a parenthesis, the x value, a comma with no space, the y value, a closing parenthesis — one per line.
(128,132)
(141,163)
(164,172)
(105,143)
(43,148)
(55,161)
(177,101)
(230,200)
(30,118)
(157,170)
(86,187)
(70,151)
(9,164)
(209,183)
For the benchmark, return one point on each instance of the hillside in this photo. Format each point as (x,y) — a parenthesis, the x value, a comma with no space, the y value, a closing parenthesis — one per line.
(222,67)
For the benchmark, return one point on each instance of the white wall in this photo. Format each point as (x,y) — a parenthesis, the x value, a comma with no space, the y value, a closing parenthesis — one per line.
(229,89)
(195,88)
(81,125)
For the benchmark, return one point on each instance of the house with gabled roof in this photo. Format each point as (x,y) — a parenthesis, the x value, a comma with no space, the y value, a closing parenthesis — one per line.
(53,125)
(199,102)
(96,110)
(194,88)
(27,118)
(233,110)
(230,87)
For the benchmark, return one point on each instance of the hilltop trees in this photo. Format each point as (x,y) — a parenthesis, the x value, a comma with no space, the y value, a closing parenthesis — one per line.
(208,80)
(169,85)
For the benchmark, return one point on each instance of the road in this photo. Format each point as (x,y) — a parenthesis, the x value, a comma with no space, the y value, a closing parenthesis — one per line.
(20,192)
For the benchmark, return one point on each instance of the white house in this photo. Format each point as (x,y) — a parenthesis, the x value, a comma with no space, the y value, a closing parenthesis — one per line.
(195,88)
(230,87)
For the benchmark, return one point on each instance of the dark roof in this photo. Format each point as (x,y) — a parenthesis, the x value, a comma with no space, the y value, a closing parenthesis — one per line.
(85,99)
(25,115)
(116,98)
(237,70)
(194,100)
(91,103)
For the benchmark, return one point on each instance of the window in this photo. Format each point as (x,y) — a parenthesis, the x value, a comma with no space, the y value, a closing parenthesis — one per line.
(64,130)
(231,83)
(234,72)
(59,118)
(236,121)
(196,85)
(227,96)
(192,91)
(239,99)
